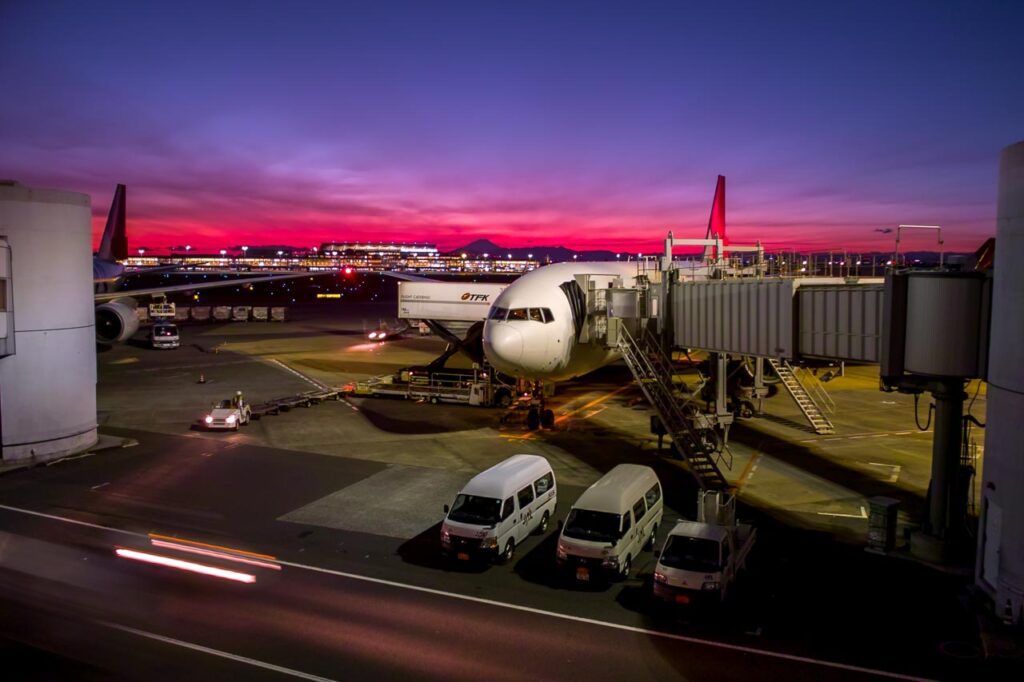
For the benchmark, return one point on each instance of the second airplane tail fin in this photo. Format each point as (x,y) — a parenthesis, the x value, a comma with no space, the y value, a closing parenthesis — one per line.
(716,223)
(114,245)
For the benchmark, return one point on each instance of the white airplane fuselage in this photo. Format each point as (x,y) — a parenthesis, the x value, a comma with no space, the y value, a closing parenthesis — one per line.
(521,345)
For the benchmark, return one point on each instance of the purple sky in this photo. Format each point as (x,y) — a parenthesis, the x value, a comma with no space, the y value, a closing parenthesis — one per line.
(592,125)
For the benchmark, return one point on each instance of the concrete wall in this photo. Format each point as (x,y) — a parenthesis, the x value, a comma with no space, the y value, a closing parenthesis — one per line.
(48,386)
(1000,568)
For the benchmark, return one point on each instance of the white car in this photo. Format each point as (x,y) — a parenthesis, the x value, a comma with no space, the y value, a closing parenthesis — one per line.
(227,415)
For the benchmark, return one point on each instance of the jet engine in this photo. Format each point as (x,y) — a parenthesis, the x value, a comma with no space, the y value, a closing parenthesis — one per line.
(116,321)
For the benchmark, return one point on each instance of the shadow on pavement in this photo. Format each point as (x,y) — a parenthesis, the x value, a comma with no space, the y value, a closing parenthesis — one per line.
(425,550)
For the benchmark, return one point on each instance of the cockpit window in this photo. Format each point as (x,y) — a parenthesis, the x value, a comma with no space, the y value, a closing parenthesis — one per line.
(536,315)
(498,313)
(548,317)
(517,314)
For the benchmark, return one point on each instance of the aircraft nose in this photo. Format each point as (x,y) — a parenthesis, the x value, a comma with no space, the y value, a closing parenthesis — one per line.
(503,346)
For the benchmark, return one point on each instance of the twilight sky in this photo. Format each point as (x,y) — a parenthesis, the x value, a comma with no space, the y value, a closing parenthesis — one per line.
(585,124)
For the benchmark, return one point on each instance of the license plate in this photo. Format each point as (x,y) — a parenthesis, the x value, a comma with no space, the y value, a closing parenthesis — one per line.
(682,599)
(582,573)
(463,556)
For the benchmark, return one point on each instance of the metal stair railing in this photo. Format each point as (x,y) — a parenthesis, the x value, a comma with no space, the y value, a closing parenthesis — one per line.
(812,411)
(816,388)
(645,363)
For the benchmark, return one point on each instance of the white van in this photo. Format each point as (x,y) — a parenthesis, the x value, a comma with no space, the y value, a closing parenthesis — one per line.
(498,508)
(610,523)
(164,335)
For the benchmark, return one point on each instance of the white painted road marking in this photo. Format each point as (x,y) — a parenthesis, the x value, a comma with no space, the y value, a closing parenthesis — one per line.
(863,514)
(896,468)
(217,652)
(490,602)
(299,374)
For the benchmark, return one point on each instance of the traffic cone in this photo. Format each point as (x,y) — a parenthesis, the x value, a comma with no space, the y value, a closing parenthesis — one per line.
(202,379)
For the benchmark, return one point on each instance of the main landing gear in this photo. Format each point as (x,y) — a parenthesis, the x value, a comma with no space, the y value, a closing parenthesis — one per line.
(537,417)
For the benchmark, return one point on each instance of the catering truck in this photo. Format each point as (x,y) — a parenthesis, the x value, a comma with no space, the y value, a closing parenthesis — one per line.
(701,559)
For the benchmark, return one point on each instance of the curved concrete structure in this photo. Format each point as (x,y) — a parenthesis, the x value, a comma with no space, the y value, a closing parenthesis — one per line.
(1001,546)
(48,351)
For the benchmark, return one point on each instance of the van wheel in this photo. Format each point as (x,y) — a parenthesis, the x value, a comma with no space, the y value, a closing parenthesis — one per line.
(433,400)
(533,419)
(543,527)
(626,567)
(547,419)
(510,551)
(503,399)
(653,539)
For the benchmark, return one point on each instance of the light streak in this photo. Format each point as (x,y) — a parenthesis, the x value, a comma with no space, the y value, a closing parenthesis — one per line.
(184,565)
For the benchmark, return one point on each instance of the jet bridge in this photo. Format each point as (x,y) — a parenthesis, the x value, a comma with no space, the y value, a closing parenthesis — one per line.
(775,320)
(788,319)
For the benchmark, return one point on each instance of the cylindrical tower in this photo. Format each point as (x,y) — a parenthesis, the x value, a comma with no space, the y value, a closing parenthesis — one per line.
(47,336)
(1000,568)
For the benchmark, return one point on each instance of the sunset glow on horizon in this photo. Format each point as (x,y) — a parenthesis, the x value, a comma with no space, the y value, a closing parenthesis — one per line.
(584,125)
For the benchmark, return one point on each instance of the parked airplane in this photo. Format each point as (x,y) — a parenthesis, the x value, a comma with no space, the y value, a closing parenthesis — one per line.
(533,328)
(116,320)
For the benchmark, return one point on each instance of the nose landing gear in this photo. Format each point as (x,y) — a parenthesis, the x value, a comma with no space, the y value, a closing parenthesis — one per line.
(538,415)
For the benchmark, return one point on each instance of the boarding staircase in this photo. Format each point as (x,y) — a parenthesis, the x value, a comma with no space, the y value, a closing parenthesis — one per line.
(702,449)
(811,408)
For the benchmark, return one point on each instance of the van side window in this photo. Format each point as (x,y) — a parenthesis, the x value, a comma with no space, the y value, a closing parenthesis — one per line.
(544,484)
(639,510)
(525,496)
(653,495)
(725,553)
(508,509)
(627,523)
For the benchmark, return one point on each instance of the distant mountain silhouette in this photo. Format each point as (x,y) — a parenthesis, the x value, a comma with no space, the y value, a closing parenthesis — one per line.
(554,254)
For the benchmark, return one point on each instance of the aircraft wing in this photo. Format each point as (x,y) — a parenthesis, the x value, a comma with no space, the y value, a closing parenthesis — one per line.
(195,286)
(406,276)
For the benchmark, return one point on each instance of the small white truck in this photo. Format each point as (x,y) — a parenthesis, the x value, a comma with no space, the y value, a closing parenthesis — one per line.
(228,414)
(164,335)
(701,559)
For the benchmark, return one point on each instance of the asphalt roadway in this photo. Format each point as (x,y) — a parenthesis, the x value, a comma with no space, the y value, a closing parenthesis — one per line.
(362,592)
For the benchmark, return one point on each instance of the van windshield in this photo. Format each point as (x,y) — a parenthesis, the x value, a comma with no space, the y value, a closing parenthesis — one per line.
(584,524)
(691,554)
(165,330)
(482,511)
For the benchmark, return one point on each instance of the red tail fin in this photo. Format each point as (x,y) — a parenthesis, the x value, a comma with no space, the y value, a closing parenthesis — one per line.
(114,245)
(716,223)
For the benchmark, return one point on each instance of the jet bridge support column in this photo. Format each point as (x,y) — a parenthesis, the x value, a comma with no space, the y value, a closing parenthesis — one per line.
(947,507)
